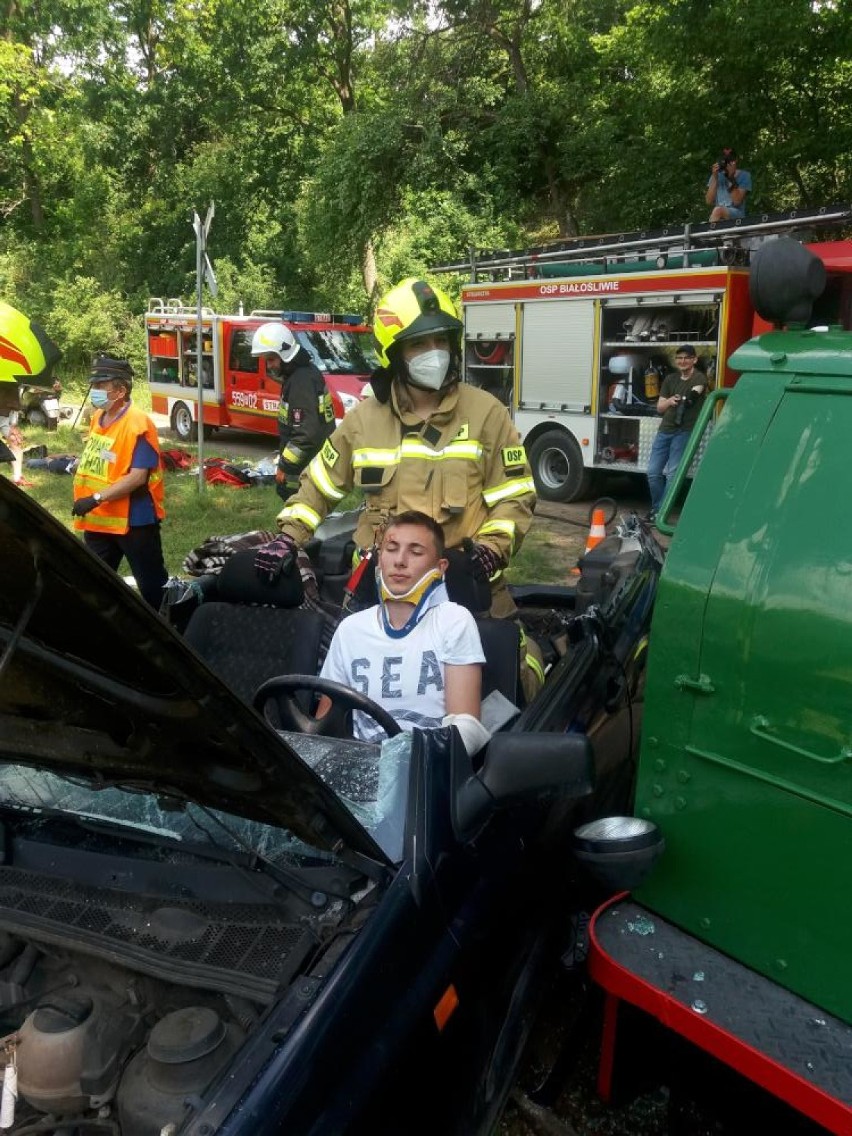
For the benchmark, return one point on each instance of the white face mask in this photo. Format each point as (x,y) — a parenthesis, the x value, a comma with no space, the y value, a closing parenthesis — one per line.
(429,369)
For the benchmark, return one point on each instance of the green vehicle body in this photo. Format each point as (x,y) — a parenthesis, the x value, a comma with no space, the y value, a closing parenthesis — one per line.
(746,760)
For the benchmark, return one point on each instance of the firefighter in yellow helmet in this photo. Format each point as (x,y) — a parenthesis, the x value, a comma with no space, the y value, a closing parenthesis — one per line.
(425,442)
(27,358)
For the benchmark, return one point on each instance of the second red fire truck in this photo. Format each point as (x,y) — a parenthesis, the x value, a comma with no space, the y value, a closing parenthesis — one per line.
(576,337)
(236,389)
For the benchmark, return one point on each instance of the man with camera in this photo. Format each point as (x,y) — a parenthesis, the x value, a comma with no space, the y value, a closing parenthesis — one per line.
(681,395)
(727,188)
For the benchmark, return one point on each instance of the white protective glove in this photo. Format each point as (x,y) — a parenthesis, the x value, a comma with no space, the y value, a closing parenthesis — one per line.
(473,733)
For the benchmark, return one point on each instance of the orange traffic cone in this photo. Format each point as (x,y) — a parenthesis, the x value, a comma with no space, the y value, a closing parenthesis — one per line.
(597,532)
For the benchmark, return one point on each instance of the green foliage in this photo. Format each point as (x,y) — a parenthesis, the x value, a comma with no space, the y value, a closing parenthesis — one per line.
(349,142)
(85,319)
(252,286)
(435,227)
(770,79)
(355,191)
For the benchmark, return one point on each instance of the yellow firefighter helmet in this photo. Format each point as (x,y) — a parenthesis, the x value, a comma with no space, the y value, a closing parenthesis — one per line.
(27,355)
(410,309)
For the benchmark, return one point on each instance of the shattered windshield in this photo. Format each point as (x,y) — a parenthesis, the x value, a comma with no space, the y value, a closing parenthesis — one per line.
(371,781)
(140,811)
(340,352)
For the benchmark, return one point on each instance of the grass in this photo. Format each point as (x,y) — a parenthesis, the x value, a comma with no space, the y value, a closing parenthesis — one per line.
(542,560)
(193,516)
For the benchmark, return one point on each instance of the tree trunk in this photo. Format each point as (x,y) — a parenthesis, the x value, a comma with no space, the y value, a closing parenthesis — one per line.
(559,204)
(369,273)
(32,186)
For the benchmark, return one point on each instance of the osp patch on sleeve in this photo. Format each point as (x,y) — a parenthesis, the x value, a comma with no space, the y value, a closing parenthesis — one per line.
(329,454)
(513,456)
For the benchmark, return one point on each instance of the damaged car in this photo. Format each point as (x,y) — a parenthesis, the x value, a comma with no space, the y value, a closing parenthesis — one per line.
(214,925)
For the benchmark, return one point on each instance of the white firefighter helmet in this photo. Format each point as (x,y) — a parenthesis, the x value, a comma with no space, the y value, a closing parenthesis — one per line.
(275,338)
(624,363)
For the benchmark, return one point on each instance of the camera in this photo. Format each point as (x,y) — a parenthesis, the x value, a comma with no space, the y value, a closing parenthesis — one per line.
(683,402)
(723,164)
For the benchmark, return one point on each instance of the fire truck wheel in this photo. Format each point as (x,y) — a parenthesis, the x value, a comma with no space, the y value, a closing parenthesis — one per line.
(183,424)
(557,466)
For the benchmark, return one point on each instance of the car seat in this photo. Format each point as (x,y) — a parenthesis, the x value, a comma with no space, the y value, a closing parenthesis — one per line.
(501,645)
(245,643)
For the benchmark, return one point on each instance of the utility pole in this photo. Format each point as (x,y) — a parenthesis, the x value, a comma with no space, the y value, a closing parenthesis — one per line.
(203,271)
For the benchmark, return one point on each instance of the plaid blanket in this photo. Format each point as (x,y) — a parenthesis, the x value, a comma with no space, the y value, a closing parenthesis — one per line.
(209,557)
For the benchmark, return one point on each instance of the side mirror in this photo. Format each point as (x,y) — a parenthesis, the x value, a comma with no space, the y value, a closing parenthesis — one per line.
(619,851)
(520,766)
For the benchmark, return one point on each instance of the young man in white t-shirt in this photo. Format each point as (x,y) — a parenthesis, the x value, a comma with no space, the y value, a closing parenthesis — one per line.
(416,654)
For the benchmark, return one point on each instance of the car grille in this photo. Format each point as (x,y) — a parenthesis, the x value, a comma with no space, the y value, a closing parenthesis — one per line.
(237,948)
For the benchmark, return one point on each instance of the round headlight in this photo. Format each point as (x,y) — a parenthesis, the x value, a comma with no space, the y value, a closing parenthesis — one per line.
(616,834)
(619,851)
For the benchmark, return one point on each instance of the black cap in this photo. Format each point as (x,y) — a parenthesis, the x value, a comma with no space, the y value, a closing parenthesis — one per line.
(686,349)
(107,368)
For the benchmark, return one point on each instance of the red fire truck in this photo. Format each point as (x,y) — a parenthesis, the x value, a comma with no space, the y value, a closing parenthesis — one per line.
(575,337)
(236,389)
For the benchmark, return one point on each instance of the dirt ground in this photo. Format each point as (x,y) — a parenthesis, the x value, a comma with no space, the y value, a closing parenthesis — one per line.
(570,1105)
(567,526)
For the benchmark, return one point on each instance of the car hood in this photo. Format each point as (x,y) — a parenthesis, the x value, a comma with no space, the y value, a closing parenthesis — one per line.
(94,684)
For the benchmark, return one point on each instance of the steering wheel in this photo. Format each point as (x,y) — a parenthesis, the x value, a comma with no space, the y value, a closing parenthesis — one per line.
(343,699)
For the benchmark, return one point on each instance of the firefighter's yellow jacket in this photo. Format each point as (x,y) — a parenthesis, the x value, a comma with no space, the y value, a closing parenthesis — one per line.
(464,466)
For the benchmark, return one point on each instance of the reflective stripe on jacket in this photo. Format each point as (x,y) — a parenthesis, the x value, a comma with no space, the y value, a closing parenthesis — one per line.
(106,458)
(305,418)
(464,466)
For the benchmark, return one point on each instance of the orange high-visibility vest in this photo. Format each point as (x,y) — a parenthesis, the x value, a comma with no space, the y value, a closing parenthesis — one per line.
(106,458)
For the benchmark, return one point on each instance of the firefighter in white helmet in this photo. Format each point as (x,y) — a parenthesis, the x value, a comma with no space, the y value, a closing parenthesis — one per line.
(425,442)
(305,414)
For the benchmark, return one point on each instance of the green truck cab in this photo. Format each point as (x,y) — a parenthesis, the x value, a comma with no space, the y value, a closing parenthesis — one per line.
(736,947)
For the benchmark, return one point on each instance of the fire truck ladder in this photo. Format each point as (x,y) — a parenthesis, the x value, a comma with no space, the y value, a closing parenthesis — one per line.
(157,306)
(729,243)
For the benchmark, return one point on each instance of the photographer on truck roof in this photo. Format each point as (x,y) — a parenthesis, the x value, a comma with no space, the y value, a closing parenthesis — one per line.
(727,188)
